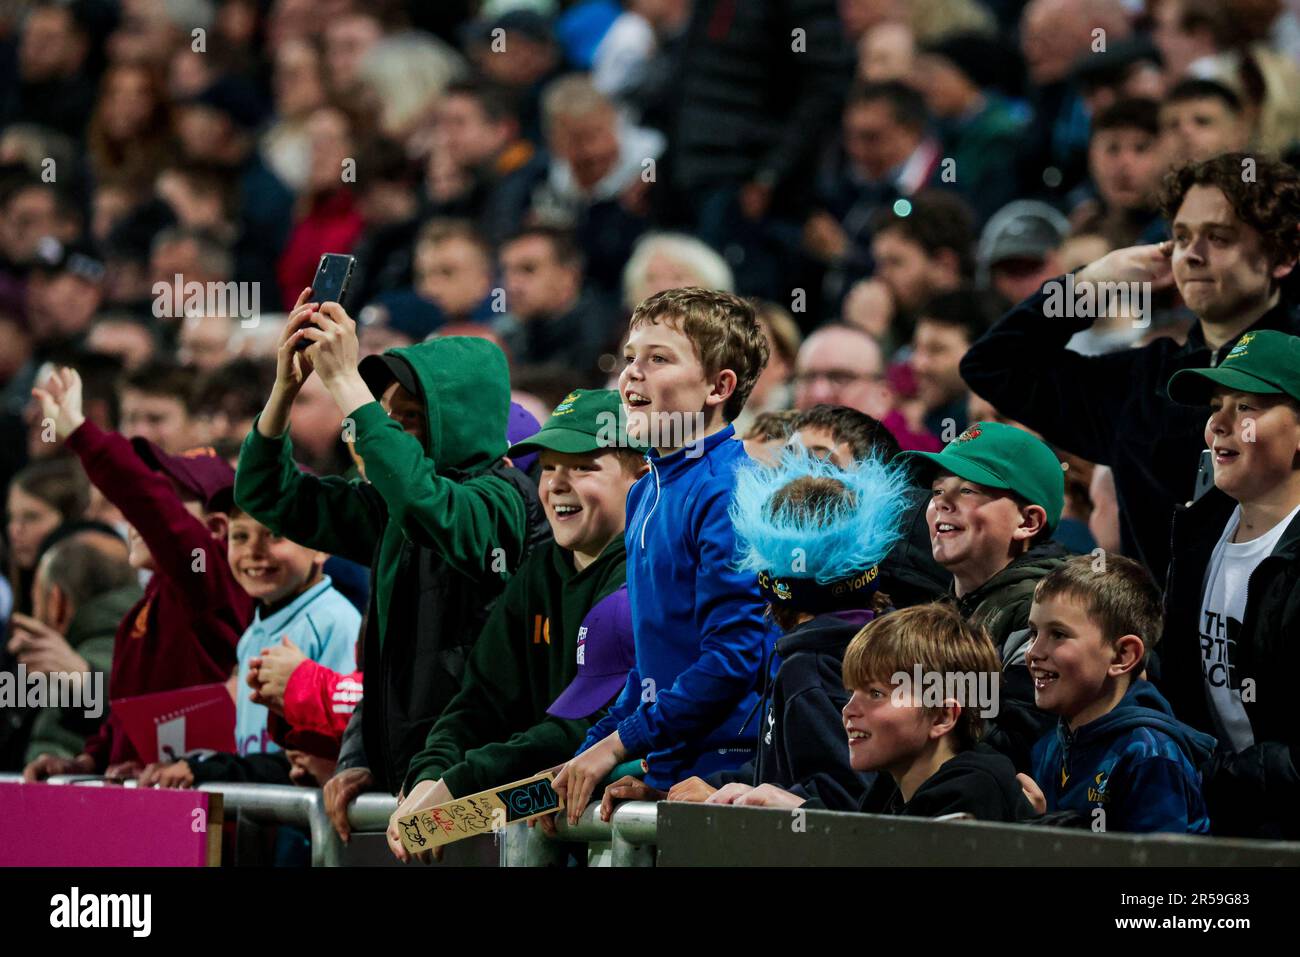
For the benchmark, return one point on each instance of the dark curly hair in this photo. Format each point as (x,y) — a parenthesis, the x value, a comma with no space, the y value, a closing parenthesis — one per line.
(1269,202)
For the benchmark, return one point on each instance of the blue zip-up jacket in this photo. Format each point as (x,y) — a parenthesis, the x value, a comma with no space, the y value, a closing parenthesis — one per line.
(698,623)
(1137,762)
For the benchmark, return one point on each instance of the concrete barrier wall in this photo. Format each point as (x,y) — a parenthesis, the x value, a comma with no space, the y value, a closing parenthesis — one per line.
(705,835)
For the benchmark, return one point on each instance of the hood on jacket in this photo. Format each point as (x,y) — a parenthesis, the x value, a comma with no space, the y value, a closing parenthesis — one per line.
(826,634)
(1145,707)
(465,385)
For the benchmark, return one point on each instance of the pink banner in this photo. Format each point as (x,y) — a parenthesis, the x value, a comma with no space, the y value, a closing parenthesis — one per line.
(66,825)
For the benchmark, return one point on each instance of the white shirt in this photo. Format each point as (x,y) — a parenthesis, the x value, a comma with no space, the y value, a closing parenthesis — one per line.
(1223,606)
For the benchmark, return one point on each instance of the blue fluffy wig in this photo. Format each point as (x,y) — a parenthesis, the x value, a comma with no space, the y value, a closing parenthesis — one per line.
(829,540)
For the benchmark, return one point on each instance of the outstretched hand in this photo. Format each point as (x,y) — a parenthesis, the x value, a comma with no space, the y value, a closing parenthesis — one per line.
(60,399)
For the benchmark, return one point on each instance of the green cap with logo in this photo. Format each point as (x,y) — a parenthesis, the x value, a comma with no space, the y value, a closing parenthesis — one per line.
(1264,363)
(587,420)
(1003,457)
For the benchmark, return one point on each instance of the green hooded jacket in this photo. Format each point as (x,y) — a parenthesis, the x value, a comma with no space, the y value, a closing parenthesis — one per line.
(442,528)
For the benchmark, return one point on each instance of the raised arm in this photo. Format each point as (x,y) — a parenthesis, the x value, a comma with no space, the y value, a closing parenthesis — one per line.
(1022,365)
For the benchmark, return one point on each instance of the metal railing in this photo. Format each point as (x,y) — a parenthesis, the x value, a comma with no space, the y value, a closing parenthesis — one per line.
(630,833)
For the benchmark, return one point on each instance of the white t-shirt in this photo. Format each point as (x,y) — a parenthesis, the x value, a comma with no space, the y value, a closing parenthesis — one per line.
(1223,606)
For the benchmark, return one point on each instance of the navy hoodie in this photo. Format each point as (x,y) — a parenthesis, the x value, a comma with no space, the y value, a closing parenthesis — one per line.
(1138,763)
(698,624)
(802,746)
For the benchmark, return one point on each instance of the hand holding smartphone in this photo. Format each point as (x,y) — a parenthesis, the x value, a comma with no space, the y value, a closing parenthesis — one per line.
(330,283)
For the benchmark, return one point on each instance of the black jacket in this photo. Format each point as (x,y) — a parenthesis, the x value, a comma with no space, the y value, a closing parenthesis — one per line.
(1110,409)
(979,782)
(910,575)
(802,746)
(1255,792)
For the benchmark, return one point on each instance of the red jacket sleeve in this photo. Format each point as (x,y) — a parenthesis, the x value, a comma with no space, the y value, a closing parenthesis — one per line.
(151,504)
(318,699)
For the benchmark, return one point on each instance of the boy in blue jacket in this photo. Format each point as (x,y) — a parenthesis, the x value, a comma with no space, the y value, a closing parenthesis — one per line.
(1118,755)
(692,358)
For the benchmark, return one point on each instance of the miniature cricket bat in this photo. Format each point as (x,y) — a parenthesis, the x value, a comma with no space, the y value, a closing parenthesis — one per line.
(482,813)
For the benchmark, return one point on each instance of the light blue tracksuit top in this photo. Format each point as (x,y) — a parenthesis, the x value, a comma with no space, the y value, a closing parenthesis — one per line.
(321,622)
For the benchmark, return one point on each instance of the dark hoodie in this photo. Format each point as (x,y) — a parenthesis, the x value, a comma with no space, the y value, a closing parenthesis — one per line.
(442,526)
(1001,605)
(1137,763)
(979,782)
(910,575)
(802,746)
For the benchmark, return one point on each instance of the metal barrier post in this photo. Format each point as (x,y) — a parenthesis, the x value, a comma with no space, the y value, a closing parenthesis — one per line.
(284,804)
(633,827)
(630,832)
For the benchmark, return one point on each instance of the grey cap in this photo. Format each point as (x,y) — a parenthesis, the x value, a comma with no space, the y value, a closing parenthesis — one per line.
(1024,229)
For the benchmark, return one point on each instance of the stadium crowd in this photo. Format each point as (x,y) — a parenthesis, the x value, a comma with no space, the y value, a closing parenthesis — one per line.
(715,380)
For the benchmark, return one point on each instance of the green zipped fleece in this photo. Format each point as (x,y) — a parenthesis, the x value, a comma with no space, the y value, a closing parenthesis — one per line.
(497,729)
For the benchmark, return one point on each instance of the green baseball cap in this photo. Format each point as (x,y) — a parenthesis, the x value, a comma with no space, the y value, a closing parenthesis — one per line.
(1003,457)
(587,420)
(1264,362)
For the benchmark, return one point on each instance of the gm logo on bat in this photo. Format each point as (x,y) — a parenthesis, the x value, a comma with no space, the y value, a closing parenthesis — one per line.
(535,797)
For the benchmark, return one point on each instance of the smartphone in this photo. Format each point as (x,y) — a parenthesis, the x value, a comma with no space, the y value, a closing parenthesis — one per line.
(330,284)
(1204,475)
(332,277)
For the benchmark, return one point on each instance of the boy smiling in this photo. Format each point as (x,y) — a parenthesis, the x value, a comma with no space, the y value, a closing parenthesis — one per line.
(1234,586)
(297,605)
(931,759)
(1118,748)
(497,729)
(996,495)
(693,356)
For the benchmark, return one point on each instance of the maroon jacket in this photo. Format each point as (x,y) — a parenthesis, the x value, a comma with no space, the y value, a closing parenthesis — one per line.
(185,629)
